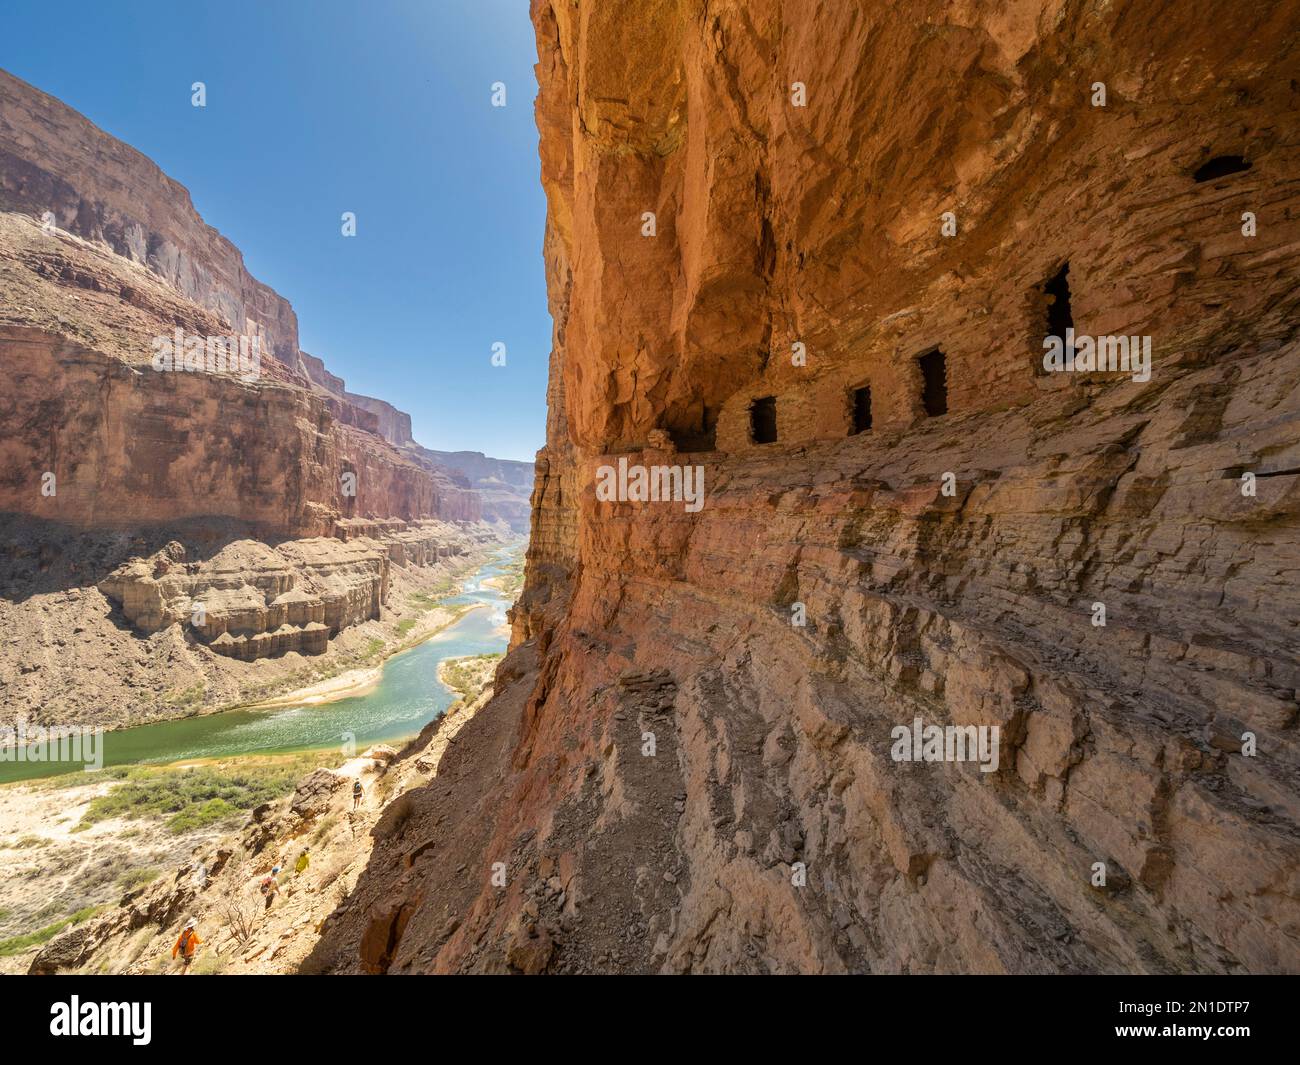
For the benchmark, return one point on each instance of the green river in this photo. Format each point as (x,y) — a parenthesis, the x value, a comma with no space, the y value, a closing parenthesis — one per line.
(408,696)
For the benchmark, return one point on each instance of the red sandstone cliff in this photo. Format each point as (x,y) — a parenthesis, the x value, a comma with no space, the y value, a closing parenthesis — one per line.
(772,830)
(133,489)
(124,259)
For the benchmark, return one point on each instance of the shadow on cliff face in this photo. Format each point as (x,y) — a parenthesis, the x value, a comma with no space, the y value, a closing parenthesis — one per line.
(1121,744)
(45,557)
(68,652)
(429,886)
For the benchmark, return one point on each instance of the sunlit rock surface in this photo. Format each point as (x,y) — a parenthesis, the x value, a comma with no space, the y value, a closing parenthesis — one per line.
(946,564)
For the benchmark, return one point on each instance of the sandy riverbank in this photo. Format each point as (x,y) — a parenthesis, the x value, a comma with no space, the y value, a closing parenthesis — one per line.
(365,679)
(362,681)
(134,932)
(353,682)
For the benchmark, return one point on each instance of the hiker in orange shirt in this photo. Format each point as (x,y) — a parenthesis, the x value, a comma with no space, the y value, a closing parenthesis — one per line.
(186,945)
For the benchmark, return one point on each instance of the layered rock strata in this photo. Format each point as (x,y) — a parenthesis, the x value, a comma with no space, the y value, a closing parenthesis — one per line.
(504,486)
(866,220)
(102,256)
(155,395)
(99,627)
(251,600)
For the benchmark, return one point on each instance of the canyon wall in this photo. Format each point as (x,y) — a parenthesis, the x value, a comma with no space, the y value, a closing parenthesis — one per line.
(53,159)
(100,254)
(865,220)
(385,419)
(251,600)
(148,469)
(504,486)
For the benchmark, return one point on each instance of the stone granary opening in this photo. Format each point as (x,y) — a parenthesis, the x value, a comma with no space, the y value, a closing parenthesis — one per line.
(861,400)
(696,436)
(762,420)
(1221,166)
(934,377)
(1059,315)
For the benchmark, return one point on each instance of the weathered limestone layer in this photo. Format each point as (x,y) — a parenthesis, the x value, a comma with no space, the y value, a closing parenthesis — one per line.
(251,600)
(695,781)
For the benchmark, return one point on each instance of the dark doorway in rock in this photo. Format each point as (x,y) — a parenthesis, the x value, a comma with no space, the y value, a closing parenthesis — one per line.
(701,436)
(1221,166)
(762,420)
(1059,315)
(934,375)
(861,410)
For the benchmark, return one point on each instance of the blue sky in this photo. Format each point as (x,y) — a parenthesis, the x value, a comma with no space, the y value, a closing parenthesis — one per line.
(316,107)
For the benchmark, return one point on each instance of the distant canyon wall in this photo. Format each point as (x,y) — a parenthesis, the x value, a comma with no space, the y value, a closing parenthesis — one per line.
(253,601)
(504,486)
(129,447)
(100,252)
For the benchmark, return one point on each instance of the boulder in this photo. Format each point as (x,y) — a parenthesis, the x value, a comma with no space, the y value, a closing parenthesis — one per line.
(315,792)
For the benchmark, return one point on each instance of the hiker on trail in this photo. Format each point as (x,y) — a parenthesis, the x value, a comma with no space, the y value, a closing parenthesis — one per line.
(270,886)
(357,792)
(304,859)
(186,945)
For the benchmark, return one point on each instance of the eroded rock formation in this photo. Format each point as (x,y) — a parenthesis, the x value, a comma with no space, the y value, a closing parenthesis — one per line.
(678,775)
(504,486)
(101,254)
(147,468)
(252,600)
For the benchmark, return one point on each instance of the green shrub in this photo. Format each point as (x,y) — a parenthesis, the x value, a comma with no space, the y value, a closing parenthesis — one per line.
(461,678)
(196,817)
(196,797)
(433,595)
(185,698)
(134,878)
(18,944)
